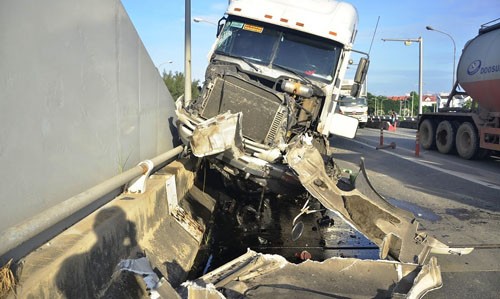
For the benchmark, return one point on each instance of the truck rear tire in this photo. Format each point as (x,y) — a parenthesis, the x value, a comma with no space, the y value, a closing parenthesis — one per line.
(427,130)
(445,137)
(467,141)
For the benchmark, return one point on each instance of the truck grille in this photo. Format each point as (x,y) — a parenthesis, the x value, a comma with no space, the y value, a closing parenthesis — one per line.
(262,108)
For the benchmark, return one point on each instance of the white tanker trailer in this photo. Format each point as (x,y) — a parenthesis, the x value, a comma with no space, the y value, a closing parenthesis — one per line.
(473,132)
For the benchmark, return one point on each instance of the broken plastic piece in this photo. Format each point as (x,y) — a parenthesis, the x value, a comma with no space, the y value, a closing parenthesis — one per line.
(270,156)
(391,145)
(343,125)
(217,134)
(142,267)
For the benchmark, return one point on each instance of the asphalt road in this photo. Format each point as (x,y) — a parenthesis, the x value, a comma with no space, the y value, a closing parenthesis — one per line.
(455,200)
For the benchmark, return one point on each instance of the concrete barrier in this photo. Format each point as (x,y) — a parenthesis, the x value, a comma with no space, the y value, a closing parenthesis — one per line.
(81,102)
(374,122)
(81,261)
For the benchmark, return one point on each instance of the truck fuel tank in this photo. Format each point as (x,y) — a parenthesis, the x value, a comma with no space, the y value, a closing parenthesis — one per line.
(479,68)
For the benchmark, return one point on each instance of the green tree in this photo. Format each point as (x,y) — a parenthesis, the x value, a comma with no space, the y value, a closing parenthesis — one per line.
(175,84)
(467,104)
(370,98)
(382,105)
(414,96)
(385,105)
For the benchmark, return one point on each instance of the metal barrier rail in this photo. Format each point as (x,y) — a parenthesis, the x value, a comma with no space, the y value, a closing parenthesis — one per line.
(18,234)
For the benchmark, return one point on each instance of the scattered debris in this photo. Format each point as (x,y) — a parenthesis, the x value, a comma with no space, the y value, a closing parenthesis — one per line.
(394,230)
(304,255)
(390,145)
(259,275)
(142,267)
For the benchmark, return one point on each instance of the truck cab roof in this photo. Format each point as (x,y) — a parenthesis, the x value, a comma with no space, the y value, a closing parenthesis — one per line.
(329,19)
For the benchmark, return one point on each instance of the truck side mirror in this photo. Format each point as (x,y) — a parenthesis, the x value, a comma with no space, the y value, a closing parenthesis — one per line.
(355,90)
(360,76)
(220,25)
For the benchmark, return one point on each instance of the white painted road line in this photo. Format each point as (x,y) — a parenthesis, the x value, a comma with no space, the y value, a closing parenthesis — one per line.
(388,133)
(429,164)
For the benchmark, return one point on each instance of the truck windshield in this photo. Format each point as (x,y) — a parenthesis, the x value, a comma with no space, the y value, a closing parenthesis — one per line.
(349,102)
(270,45)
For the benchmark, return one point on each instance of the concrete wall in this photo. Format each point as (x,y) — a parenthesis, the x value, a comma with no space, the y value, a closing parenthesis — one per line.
(81,262)
(80,100)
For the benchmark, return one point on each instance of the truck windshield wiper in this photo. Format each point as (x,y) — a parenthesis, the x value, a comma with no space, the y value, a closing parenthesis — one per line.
(293,72)
(238,57)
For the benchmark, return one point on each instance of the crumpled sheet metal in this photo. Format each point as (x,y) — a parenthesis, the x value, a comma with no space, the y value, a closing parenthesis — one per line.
(394,230)
(142,267)
(218,134)
(258,275)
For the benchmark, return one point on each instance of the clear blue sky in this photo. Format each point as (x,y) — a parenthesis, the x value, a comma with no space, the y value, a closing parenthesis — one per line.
(394,66)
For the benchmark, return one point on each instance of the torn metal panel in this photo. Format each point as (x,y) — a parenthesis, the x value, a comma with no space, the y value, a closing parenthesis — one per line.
(218,134)
(142,267)
(394,230)
(264,276)
(158,287)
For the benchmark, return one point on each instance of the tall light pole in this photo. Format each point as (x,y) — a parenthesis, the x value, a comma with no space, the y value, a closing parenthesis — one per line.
(408,42)
(187,53)
(412,96)
(454,51)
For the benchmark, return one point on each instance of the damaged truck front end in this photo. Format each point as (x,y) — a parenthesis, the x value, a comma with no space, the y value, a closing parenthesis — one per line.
(280,83)
(263,119)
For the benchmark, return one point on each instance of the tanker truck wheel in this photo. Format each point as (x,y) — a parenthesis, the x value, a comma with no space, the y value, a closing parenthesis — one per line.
(467,141)
(427,130)
(445,137)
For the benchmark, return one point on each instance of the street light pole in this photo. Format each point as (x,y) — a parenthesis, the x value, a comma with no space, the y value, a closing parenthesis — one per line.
(420,73)
(408,42)
(187,53)
(454,52)
(412,96)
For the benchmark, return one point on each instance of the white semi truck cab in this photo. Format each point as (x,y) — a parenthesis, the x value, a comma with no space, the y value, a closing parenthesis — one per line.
(354,107)
(265,114)
(275,69)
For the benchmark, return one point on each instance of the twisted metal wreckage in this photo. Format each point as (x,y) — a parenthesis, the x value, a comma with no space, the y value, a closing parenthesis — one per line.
(410,273)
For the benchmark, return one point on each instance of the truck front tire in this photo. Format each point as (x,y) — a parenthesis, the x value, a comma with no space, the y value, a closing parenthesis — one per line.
(467,141)
(427,131)
(445,137)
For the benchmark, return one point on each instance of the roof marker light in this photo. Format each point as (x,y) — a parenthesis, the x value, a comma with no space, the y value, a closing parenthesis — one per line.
(333,33)
(268,16)
(299,24)
(284,20)
(237,9)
